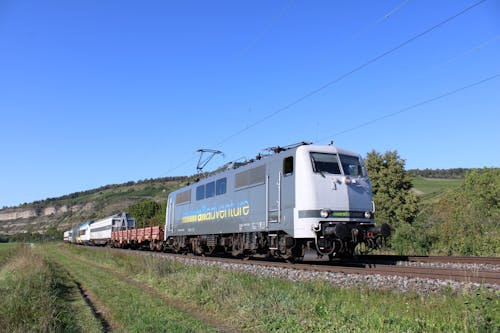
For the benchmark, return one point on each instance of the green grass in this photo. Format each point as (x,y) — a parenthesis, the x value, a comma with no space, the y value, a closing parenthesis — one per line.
(251,303)
(429,188)
(6,250)
(36,296)
(131,309)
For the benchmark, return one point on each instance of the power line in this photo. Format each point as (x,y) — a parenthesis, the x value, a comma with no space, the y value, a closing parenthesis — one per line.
(266,30)
(179,165)
(349,73)
(414,106)
(474,49)
(383,19)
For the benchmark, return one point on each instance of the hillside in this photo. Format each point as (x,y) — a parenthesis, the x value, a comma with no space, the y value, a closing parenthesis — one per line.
(429,188)
(69,210)
(66,211)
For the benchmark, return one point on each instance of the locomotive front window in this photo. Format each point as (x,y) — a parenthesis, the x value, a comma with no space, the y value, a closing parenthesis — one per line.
(323,162)
(351,166)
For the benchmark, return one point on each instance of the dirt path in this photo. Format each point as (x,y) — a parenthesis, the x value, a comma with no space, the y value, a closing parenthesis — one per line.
(178,305)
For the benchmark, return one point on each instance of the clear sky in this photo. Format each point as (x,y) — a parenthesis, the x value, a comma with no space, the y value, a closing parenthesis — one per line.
(104,92)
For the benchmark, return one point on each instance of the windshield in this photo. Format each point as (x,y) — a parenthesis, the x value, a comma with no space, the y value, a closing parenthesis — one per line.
(329,163)
(323,162)
(351,165)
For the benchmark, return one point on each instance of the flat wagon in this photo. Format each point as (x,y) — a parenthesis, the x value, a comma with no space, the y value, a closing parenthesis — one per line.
(149,237)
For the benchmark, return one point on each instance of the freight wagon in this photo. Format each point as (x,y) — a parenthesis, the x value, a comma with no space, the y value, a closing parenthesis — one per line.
(147,238)
(100,230)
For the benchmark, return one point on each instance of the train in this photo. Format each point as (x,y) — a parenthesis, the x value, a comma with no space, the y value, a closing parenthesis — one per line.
(291,201)
(99,232)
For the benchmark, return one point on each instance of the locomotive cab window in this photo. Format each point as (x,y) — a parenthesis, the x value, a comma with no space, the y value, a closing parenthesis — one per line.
(351,166)
(323,162)
(288,165)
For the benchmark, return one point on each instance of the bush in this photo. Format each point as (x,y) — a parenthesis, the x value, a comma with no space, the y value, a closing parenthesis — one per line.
(467,219)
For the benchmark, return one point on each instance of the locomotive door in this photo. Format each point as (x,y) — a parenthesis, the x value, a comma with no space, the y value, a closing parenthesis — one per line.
(273,197)
(170,214)
(279,190)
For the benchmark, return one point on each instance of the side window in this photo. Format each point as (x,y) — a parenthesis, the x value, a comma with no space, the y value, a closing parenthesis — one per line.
(220,186)
(210,190)
(200,192)
(288,165)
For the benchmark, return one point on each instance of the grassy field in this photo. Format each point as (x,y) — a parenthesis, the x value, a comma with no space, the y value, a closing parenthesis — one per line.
(429,188)
(120,292)
(38,296)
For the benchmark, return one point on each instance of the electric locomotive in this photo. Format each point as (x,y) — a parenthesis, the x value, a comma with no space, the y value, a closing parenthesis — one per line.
(300,198)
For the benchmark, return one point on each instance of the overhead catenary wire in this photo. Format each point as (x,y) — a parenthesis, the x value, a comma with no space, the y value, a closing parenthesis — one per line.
(268,28)
(285,10)
(476,48)
(351,72)
(414,106)
(386,16)
(348,73)
(405,109)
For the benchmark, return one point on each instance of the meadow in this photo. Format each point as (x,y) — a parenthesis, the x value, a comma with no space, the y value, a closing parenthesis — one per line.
(429,188)
(65,288)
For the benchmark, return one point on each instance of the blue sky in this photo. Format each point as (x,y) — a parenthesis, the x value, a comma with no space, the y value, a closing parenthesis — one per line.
(103,92)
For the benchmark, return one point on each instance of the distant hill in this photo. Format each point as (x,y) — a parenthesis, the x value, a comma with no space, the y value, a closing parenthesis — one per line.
(429,188)
(69,210)
(456,173)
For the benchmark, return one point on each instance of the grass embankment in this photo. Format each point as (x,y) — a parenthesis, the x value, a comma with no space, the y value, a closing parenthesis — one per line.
(36,296)
(250,303)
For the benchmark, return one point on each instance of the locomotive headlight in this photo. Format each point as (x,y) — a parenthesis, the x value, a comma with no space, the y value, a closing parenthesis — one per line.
(347,180)
(368,215)
(324,213)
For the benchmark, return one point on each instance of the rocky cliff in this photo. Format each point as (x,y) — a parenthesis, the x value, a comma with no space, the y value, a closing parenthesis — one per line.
(73,209)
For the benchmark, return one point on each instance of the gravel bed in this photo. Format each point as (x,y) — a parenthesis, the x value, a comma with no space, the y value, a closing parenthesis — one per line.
(421,286)
(467,267)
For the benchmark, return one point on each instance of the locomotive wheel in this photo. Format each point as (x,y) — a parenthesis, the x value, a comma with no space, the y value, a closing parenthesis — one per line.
(362,249)
(175,247)
(298,251)
(237,248)
(211,250)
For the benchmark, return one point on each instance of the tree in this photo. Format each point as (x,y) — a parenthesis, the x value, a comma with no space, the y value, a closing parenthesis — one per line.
(391,185)
(467,219)
(147,213)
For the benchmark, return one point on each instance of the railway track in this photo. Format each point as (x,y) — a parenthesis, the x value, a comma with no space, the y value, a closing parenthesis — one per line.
(386,267)
(470,269)
(430,259)
(458,274)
